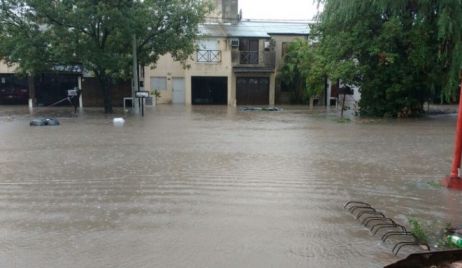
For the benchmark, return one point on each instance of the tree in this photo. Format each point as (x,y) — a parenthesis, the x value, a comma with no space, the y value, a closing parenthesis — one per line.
(400,53)
(99,34)
(22,42)
(303,70)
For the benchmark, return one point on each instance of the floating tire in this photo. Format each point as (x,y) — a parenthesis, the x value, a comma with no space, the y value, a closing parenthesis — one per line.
(52,122)
(38,122)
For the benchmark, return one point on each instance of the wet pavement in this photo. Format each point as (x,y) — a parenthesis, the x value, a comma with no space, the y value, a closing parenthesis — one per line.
(214,187)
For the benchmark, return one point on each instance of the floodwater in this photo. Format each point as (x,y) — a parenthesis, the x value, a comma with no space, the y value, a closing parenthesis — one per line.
(215,187)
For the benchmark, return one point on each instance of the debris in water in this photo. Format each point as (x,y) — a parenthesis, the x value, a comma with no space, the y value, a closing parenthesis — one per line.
(259,109)
(118,121)
(44,122)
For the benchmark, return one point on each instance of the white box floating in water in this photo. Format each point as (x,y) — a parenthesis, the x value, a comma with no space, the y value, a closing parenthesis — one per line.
(118,121)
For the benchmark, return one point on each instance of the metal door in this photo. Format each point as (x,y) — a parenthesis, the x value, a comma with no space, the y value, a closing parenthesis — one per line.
(252,91)
(178,90)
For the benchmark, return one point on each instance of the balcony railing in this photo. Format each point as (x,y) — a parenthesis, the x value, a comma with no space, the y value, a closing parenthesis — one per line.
(213,56)
(265,59)
(248,57)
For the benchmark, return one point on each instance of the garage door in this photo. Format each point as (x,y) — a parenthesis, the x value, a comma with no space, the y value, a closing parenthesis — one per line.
(209,90)
(252,91)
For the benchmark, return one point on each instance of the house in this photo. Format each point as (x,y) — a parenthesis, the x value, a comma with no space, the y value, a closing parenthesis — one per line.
(236,62)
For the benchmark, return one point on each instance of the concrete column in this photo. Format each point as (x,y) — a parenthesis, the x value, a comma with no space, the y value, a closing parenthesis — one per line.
(272,89)
(229,10)
(79,85)
(187,89)
(232,89)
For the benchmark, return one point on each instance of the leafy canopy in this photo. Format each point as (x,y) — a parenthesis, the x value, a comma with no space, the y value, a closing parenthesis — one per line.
(400,53)
(303,70)
(97,34)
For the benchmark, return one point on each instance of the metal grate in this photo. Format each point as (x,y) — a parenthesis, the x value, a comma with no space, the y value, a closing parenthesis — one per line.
(377,223)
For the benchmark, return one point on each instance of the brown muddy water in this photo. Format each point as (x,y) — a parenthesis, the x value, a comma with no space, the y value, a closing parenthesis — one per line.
(215,187)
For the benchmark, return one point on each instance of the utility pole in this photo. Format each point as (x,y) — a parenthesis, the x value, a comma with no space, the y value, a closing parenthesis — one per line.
(135,84)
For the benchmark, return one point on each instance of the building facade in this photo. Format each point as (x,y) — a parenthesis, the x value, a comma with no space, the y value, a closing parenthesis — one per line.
(236,62)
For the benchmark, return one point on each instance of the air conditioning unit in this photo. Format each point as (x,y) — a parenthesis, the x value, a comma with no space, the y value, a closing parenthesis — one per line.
(234,43)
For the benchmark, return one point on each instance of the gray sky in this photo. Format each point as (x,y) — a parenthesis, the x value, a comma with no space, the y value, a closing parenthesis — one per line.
(278,9)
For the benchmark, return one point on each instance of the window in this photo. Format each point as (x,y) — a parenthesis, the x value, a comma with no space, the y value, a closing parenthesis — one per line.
(208,51)
(208,44)
(248,49)
(159,83)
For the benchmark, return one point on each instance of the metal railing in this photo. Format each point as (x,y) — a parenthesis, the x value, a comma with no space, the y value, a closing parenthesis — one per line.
(248,57)
(209,56)
(254,58)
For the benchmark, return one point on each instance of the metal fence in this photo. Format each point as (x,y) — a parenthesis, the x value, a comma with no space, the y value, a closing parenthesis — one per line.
(209,56)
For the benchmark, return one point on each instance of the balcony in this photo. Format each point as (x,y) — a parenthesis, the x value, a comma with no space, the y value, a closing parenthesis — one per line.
(209,56)
(256,59)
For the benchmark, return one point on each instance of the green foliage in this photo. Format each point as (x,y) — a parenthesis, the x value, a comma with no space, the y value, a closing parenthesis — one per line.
(434,184)
(303,70)
(21,39)
(343,120)
(97,34)
(444,241)
(440,237)
(418,231)
(156,93)
(400,53)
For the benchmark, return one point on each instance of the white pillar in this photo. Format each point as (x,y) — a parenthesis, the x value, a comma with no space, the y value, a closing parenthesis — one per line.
(79,85)
(31,105)
(32,92)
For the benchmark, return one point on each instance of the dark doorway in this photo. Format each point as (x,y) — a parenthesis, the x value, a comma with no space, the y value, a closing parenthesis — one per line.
(209,90)
(51,88)
(13,89)
(252,91)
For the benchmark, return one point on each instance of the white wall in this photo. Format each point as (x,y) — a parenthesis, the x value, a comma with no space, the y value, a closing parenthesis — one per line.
(4,68)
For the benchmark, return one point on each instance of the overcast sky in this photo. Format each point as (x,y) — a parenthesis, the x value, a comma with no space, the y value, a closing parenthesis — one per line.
(278,9)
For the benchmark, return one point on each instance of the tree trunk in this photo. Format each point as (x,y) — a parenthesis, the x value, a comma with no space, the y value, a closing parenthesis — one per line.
(106,86)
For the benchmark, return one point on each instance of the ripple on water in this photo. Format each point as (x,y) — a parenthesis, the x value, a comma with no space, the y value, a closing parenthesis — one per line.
(211,186)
